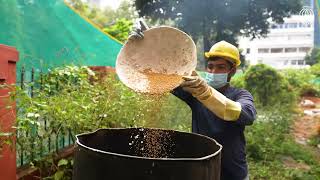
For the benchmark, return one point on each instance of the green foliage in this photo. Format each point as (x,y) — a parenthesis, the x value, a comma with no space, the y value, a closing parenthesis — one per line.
(120,30)
(315,69)
(116,22)
(315,140)
(238,81)
(259,145)
(64,170)
(125,10)
(313,57)
(73,99)
(302,81)
(269,143)
(268,86)
(217,20)
(68,100)
(61,170)
(310,89)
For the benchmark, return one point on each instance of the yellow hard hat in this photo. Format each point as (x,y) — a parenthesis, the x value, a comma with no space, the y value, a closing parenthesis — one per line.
(225,50)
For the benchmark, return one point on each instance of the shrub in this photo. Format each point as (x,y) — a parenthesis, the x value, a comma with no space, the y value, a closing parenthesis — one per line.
(238,81)
(120,29)
(313,57)
(315,70)
(302,81)
(268,86)
(70,99)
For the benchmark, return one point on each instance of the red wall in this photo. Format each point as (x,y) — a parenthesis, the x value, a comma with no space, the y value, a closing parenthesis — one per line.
(8,58)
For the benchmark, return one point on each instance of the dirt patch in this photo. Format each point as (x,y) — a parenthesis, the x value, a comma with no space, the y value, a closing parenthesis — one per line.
(316,100)
(307,125)
(289,162)
(305,128)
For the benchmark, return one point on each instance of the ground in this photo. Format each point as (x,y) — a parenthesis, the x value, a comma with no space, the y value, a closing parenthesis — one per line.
(304,128)
(307,125)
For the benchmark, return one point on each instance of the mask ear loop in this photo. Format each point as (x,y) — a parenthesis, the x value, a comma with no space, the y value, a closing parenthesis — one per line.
(233,67)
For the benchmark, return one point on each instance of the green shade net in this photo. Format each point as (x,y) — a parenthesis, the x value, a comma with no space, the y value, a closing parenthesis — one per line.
(47,33)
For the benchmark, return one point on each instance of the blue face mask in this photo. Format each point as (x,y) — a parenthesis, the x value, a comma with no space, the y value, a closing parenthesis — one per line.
(217,80)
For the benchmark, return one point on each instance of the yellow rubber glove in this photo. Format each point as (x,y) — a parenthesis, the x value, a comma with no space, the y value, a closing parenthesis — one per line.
(216,102)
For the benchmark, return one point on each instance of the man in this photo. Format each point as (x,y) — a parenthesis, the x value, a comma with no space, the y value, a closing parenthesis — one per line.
(219,110)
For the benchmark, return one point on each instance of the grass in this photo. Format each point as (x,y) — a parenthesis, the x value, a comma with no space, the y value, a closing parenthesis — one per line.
(314,141)
(270,142)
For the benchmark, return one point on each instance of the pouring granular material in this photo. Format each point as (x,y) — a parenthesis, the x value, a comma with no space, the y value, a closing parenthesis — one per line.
(155,87)
(156,64)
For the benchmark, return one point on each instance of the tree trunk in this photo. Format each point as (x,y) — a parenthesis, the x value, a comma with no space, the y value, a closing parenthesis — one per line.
(206,44)
(206,35)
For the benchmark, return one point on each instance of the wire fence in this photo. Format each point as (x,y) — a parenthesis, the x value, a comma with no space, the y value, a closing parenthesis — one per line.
(55,139)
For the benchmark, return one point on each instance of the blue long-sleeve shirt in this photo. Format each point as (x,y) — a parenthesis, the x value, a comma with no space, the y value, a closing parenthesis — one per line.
(229,134)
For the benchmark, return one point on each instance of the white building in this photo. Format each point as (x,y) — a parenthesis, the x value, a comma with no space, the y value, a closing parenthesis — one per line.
(284,47)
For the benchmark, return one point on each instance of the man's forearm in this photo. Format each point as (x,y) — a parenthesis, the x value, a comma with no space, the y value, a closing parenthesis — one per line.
(220,105)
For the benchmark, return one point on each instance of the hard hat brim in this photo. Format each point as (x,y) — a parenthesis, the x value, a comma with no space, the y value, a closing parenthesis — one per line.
(234,60)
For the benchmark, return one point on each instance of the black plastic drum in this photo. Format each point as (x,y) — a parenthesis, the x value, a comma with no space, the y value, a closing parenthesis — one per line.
(146,154)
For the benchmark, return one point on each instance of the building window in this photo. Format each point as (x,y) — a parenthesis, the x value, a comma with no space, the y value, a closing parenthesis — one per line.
(274,26)
(260,61)
(263,50)
(276,50)
(248,50)
(293,62)
(285,62)
(290,50)
(305,25)
(304,49)
(292,25)
(288,25)
(300,24)
(300,62)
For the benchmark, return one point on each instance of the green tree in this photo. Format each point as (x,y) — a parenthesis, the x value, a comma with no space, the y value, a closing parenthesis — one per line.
(215,20)
(125,10)
(120,29)
(80,6)
(116,22)
(313,57)
(315,69)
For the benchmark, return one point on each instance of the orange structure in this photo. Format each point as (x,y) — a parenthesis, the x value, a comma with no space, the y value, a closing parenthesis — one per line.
(8,58)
